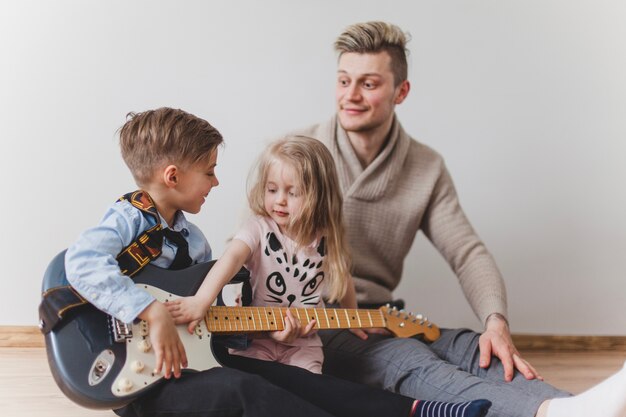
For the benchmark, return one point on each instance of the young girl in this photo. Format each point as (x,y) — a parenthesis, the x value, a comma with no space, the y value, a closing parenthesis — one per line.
(293,246)
(295,250)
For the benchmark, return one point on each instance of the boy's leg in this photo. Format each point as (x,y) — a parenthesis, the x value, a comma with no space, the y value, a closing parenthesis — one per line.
(336,396)
(414,368)
(220,392)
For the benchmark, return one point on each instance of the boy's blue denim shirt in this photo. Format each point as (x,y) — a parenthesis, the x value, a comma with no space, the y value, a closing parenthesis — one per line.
(91,265)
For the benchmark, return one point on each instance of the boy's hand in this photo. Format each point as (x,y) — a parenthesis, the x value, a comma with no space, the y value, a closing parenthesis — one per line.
(168,348)
(187,310)
(293,329)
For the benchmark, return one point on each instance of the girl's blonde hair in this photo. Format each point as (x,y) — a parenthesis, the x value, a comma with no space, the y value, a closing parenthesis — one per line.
(322,209)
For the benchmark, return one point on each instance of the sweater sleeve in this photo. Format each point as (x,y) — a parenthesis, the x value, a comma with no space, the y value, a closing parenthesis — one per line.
(446,226)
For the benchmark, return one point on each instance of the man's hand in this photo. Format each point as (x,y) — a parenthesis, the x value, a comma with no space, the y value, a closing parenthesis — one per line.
(168,348)
(496,341)
(363,334)
(293,329)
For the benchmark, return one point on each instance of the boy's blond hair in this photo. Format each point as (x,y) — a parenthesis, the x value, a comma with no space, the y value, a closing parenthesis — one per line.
(374,37)
(155,138)
(322,209)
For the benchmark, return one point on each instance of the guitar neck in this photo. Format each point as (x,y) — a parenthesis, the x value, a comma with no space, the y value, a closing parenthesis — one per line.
(224,319)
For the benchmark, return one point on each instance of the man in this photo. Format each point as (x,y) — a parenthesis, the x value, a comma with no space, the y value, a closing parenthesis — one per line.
(394,186)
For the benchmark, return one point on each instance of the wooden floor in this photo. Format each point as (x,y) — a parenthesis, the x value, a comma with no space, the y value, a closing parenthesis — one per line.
(27,388)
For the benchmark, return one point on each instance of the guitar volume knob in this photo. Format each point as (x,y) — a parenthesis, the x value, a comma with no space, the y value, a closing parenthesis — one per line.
(125,385)
(144,345)
(137,366)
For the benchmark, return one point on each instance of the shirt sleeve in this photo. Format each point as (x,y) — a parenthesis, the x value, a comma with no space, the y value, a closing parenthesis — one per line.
(92,268)
(447,227)
(250,234)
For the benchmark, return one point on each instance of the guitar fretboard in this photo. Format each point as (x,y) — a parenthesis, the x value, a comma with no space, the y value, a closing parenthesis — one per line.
(221,319)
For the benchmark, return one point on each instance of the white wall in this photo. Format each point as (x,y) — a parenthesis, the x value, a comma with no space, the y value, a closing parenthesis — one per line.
(526,100)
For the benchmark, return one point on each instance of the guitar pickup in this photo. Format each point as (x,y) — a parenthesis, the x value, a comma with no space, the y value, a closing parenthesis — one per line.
(120,330)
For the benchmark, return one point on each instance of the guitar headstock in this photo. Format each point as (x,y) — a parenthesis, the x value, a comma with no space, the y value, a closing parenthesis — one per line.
(404,324)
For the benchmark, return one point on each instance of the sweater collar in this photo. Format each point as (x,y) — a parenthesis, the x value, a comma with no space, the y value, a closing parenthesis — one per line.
(370,183)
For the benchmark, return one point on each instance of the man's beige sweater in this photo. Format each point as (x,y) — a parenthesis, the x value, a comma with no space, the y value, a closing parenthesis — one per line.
(407,188)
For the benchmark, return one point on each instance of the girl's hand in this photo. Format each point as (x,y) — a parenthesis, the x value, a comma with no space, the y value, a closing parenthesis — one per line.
(168,348)
(293,329)
(187,310)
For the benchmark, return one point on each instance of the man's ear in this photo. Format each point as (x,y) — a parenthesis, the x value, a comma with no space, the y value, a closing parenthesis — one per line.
(402,91)
(170,176)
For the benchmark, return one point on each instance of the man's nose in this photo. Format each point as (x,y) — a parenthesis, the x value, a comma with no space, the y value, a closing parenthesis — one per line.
(352,92)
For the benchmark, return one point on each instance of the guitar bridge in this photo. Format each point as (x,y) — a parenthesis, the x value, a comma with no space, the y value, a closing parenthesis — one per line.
(120,330)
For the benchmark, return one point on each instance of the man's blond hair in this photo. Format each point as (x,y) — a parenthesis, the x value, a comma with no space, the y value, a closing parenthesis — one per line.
(374,37)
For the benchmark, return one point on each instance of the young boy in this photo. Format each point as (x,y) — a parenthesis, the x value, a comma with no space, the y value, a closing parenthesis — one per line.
(172,156)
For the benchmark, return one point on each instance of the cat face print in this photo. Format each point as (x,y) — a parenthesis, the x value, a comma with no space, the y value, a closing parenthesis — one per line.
(293,281)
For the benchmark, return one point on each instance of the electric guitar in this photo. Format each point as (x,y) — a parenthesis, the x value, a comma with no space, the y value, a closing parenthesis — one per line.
(101,363)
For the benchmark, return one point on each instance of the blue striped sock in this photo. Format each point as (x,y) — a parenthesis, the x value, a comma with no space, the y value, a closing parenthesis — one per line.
(477,408)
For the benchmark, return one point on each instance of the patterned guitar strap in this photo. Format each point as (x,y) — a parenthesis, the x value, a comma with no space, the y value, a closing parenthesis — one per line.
(57,301)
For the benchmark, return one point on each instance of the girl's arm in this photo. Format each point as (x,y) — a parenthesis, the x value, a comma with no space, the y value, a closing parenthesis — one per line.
(192,309)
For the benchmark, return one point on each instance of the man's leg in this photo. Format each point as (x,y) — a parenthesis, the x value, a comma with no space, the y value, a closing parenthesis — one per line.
(415,369)
(220,392)
(460,347)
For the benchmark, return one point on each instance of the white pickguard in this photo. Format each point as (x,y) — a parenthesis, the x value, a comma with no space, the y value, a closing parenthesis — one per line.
(197,347)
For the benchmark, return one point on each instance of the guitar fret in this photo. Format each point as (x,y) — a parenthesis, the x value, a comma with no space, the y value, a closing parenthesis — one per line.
(327,321)
(238,317)
(258,313)
(317,318)
(337,315)
(347,317)
(370,317)
(272,315)
(280,315)
(358,316)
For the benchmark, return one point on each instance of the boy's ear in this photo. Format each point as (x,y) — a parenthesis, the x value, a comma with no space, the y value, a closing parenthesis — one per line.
(170,176)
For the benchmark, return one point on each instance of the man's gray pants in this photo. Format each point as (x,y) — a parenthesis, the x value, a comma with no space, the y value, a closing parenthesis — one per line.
(445,370)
